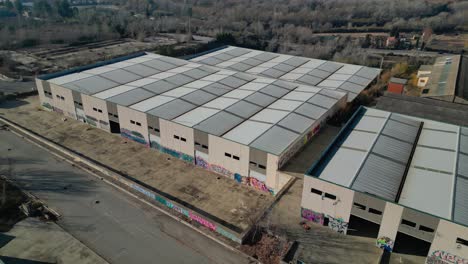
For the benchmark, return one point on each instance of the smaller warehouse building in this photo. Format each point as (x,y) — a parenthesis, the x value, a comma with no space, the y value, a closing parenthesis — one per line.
(396,85)
(399,179)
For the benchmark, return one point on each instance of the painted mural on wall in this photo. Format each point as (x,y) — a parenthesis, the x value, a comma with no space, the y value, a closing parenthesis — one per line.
(133,135)
(443,257)
(385,243)
(337,224)
(189,214)
(91,120)
(173,153)
(313,216)
(250,181)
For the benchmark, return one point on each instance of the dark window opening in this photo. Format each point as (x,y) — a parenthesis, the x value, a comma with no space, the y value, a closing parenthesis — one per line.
(176,137)
(94,109)
(116,116)
(156,129)
(316,191)
(425,91)
(462,241)
(150,127)
(131,121)
(261,166)
(204,146)
(375,211)
(235,157)
(359,206)
(197,144)
(183,139)
(253,163)
(426,229)
(110,114)
(61,97)
(227,154)
(99,110)
(408,223)
(80,104)
(138,123)
(330,196)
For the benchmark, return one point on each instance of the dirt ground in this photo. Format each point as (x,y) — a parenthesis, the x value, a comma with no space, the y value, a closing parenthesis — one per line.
(222,197)
(35,241)
(9,211)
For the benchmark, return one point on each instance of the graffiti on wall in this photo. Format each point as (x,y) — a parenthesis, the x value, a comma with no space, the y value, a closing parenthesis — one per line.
(48,106)
(294,149)
(91,120)
(385,243)
(192,216)
(443,257)
(259,185)
(313,216)
(201,162)
(133,135)
(337,224)
(58,110)
(173,153)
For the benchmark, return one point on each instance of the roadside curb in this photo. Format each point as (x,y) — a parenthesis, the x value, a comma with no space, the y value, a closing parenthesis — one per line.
(81,162)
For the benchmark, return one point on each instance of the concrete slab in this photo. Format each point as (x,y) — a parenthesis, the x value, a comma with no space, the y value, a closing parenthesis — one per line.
(217,195)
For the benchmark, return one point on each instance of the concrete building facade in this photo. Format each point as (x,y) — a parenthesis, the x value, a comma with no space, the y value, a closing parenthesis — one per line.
(399,179)
(238,125)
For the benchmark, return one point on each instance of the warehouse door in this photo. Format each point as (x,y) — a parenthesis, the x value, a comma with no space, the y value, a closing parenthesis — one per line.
(406,244)
(114,127)
(362,227)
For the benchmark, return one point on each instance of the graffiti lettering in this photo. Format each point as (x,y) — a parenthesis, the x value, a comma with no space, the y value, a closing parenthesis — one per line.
(385,243)
(173,153)
(442,257)
(58,110)
(259,185)
(220,170)
(337,224)
(48,106)
(201,162)
(312,216)
(187,213)
(135,136)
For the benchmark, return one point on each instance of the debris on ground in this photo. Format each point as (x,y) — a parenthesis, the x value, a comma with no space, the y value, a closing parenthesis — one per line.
(266,248)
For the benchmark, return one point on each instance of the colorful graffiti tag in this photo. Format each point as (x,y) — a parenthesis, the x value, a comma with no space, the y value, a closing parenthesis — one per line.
(220,170)
(133,135)
(442,257)
(337,224)
(173,153)
(48,106)
(57,110)
(201,162)
(192,216)
(312,216)
(91,120)
(259,185)
(385,243)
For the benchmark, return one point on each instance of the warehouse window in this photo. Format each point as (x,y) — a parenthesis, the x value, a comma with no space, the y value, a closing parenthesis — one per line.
(138,123)
(110,114)
(425,91)
(408,223)
(462,241)
(261,166)
(204,146)
(156,129)
(58,96)
(99,110)
(235,157)
(94,109)
(150,127)
(63,98)
(426,229)
(375,211)
(227,154)
(116,116)
(197,144)
(176,137)
(330,196)
(359,206)
(253,163)
(132,122)
(183,139)
(316,191)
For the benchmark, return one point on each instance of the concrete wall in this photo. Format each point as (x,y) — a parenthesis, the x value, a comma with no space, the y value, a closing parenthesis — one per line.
(63,101)
(46,100)
(177,137)
(96,112)
(445,248)
(338,210)
(423,222)
(133,125)
(389,227)
(228,165)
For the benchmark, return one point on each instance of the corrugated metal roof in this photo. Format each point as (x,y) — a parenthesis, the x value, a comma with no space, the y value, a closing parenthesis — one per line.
(219,123)
(90,85)
(120,76)
(141,70)
(461,198)
(247,132)
(198,97)
(275,140)
(172,109)
(130,97)
(159,87)
(195,116)
(114,91)
(296,123)
(243,109)
(260,99)
(269,116)
(152,103)
(310,111)
(322,101)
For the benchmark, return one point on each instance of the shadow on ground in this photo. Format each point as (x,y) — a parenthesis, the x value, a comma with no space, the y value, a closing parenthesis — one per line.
(10,260)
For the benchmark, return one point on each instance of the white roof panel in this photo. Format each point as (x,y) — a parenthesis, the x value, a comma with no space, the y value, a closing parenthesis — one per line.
(438,139)
(434,159)
(151,103)
(239,94)
(99,70)
(179,92)
(198,84)
(269,116)
(195,116)
(343,166)
(253,86)
(298,96)
(283,104)
(247,132)
(360,140)
(69,78)
(114,91)
(221,103)
(142,82)
(371,124)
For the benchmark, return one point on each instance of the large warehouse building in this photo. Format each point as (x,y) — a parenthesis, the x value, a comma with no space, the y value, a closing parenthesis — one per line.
(240,125)
(399,179)
(351,79)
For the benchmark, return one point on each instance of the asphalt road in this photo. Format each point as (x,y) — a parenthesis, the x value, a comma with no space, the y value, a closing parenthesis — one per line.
(115,225)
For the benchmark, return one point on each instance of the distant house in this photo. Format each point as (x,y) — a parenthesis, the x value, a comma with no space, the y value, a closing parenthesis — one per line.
(391,42)
(396,85)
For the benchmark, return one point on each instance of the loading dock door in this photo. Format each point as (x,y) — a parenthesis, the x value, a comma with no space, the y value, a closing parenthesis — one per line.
(406,244)
(361,227)
(114,127)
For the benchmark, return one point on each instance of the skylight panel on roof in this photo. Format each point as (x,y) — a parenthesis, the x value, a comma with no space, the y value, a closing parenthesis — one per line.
(247,132)
(120,76)
(298,96)
(159,87)
(221,102)
(269,116)
(287,105)
(152,103)
(179,92)
(70,78)
(114,91)
(195,116)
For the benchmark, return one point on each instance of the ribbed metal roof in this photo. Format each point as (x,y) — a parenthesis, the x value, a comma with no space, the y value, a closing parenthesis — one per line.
(219,123)
(90,85)
(275,140)
(131,97)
